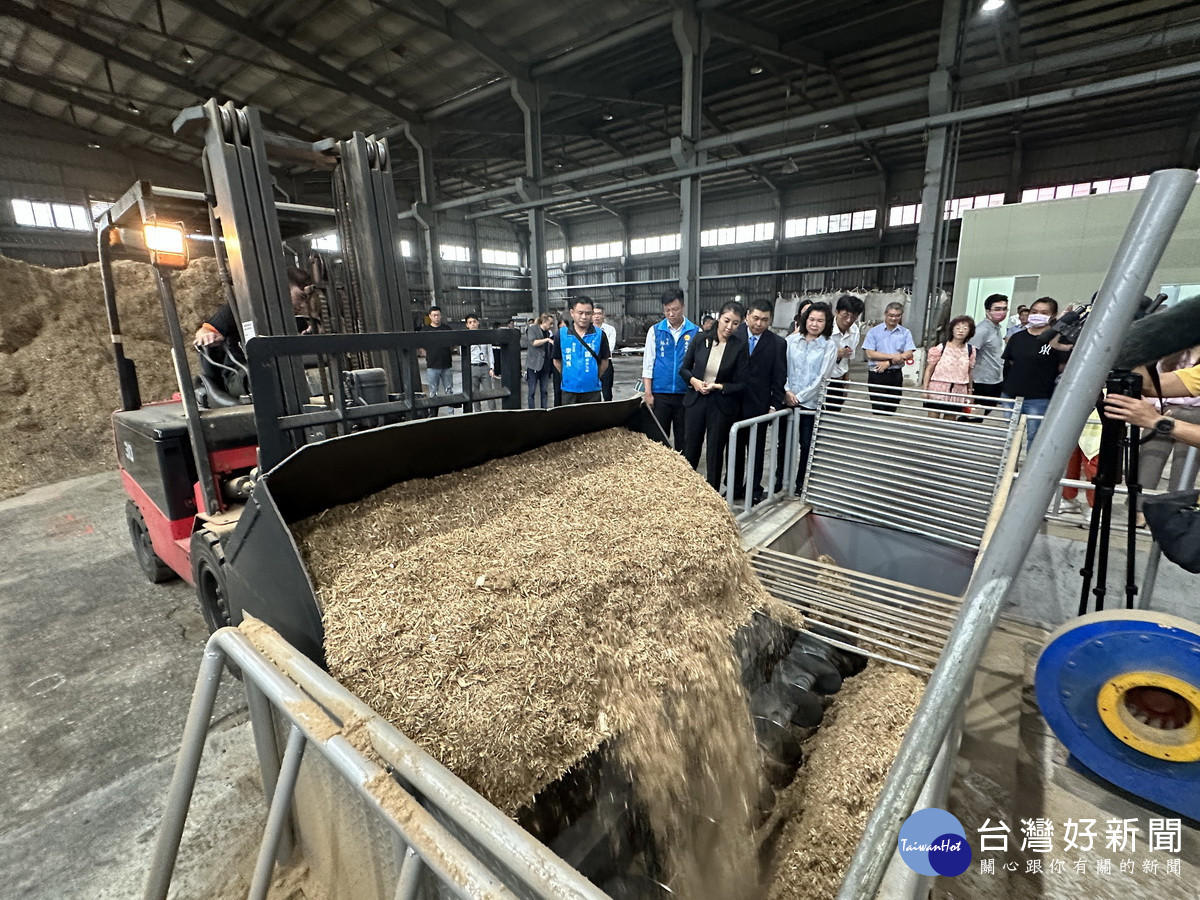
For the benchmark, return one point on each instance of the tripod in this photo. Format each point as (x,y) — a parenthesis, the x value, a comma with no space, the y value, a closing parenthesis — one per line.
(1118,457)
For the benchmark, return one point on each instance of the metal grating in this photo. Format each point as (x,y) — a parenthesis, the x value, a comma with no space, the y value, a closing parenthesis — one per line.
(906,471)
(868,615)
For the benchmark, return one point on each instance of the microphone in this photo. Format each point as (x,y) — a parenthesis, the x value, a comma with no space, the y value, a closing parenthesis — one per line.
(1154,336)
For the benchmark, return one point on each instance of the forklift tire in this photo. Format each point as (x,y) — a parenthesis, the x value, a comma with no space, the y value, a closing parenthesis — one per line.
(154,568)
(208,570)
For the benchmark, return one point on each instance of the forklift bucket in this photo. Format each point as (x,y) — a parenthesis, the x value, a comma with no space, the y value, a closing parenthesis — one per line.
(265,573)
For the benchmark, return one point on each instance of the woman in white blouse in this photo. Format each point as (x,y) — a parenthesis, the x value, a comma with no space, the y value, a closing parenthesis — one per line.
(811,356)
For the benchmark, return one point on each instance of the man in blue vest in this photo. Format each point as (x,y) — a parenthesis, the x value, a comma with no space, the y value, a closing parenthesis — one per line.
(581,354)
(666,345)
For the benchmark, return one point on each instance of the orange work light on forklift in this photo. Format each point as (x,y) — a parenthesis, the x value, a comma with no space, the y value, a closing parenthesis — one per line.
(167,245)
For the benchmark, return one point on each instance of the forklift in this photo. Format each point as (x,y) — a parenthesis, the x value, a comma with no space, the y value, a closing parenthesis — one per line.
(190,463)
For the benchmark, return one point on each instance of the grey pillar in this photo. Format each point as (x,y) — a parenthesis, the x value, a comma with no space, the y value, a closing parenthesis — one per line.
(777,254)
(422,140)
(692,39)
(938,180)
(530,101)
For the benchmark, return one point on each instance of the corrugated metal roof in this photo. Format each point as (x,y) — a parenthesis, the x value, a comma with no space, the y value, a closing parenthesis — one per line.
(325,68)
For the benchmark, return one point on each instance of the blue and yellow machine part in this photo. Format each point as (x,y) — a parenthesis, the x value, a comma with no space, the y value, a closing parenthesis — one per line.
(1121,690)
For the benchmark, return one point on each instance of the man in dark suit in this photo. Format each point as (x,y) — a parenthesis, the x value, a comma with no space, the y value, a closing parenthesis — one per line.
(763,390)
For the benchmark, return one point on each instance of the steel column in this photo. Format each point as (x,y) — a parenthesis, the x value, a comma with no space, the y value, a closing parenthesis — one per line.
(423,210)
(939,182)
(692,39)
(529,99)
(1145,240)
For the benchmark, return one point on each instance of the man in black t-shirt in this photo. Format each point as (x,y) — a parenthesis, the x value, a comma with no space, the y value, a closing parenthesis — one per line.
(439,371)
(1032,365)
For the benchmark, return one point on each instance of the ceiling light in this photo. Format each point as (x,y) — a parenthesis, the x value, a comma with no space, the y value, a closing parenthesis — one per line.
(991,5)
(756,70)
(186,55)
(92,145)
(790,167)
(607,117)
(132,107)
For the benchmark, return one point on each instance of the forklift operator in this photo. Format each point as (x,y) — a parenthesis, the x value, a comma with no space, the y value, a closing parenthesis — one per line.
(222,328)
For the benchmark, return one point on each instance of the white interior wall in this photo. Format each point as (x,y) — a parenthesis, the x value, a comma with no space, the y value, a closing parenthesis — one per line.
(1068,243)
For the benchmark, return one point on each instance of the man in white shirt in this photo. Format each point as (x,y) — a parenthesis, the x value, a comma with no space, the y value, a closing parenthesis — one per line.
(606,379)
(846,335)
(483,364)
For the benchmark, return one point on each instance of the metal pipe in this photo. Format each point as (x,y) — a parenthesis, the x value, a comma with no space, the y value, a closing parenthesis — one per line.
(933,597)
(947,492)
(1186,478)
(731,454)
(930,524)
(852,647)
(183,782)
(849,437)
(866,616)
(869,615)
(912,126)
(478,819)
(278,815)
(266,745)
(802,573)
(411,869)
(855,631)
(1157,214)
(460,870)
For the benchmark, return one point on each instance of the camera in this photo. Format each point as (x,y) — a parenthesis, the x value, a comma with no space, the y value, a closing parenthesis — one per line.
(1122,381)
(1070,324)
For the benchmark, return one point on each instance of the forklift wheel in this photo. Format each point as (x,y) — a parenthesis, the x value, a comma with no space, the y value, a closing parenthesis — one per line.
(208,569)
(154,568)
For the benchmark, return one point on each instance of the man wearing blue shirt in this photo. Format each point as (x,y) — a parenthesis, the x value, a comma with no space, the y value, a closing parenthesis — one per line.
(666,345)
(888,346)
(581,354)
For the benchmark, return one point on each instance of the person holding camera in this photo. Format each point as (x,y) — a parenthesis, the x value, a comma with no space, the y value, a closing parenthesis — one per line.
(1180,383)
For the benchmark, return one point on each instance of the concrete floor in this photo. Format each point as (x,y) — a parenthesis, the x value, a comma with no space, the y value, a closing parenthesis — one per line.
(96,674)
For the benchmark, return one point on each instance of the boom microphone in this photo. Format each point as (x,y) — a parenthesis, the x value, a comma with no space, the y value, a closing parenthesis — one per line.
(1151,338)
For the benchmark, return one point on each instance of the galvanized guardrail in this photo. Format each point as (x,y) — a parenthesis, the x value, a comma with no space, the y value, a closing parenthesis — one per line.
(441,814)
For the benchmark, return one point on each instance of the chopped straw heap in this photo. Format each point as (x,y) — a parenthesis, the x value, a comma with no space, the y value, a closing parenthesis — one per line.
(825,810)
(513,617)
(58,384)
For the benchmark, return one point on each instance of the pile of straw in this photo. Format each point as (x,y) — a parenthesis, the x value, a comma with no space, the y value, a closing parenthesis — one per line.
(825,810)
(513,617)
(58,385)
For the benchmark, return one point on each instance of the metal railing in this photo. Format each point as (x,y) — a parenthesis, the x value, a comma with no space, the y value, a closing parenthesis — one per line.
(854,468)
(785,421)
(283,428)
(445,829)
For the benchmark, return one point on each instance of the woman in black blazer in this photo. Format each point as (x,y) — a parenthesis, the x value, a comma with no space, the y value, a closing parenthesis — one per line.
(712,403)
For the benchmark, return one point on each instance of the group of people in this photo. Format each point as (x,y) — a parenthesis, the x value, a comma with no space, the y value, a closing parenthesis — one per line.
(698,383)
